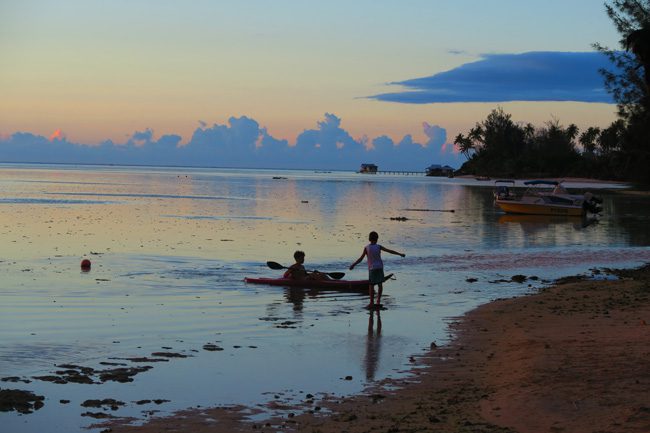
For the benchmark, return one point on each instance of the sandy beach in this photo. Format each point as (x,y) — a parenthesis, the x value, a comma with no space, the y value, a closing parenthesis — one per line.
(572,358)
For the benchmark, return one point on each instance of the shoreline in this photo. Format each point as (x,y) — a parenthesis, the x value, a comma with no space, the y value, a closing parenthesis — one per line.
(573,357)
(569,180)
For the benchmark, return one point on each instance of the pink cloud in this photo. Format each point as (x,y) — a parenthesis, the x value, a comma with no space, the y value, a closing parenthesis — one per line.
(57,135)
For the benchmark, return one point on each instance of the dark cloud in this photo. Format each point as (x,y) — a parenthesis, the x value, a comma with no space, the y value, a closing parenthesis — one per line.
(533,76)
(242,143)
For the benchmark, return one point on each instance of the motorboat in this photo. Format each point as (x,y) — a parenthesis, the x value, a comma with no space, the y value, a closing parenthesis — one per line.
(544,197)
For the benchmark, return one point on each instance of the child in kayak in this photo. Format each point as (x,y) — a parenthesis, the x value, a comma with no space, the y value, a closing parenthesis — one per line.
(297,270)
(375,267)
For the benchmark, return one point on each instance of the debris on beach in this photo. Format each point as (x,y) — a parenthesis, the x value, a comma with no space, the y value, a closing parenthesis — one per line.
(19,400)
(88,375)
(14,379)
(570,279)
(169,355)
(107,402)
(147,401)
(399,218)
(138,359)
(122,374)
(71,373)
(97,415)
(212,347)
(518,278)
(429,210)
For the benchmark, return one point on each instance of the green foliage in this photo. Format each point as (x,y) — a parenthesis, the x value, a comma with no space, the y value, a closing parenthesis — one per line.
(500,147)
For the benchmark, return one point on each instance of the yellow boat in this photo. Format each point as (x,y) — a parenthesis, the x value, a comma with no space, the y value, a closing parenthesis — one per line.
(535,201)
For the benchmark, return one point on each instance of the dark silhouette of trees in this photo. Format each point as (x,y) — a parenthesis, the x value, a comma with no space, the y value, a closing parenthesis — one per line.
(500,147)
(630,87)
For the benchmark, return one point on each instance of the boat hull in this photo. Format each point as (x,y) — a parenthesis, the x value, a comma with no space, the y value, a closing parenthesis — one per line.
(341,285)
(524,208)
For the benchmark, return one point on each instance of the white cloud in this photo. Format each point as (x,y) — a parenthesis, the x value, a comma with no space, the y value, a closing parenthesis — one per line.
(242,142)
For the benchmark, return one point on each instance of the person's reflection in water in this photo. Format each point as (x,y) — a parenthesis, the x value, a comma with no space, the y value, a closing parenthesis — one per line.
(296,296)
(373,344)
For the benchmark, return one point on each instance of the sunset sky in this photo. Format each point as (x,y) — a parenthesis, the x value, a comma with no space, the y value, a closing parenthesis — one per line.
(87,72)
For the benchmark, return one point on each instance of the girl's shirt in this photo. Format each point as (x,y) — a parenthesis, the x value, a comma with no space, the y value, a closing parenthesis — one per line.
(373,251)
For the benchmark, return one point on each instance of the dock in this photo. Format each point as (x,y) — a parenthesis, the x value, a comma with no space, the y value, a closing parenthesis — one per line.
(402,173)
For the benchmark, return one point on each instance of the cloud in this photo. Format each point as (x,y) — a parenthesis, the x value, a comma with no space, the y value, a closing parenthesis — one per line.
(437,134)
(57,135)
(140,139)
(383,141)
(408,154)
(532,76)
(328,135)
(241,142)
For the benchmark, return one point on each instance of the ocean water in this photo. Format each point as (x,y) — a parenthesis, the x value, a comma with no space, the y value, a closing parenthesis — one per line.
(170,248)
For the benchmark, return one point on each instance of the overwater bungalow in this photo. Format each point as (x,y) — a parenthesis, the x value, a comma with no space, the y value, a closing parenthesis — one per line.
(368,169)
(439,170)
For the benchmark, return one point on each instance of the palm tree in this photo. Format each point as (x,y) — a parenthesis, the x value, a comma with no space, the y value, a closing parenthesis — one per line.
(638,41)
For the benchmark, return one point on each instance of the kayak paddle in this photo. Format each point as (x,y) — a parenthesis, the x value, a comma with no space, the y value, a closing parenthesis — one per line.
(334,275)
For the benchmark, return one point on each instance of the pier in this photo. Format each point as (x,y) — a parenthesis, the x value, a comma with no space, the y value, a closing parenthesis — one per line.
(403,173)
(432,170)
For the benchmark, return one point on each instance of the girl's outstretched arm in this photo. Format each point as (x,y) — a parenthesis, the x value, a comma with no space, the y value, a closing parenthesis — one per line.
(358,260)
(392,251)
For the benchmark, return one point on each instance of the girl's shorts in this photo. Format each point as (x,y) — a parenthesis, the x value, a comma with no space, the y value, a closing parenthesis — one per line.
(376,276)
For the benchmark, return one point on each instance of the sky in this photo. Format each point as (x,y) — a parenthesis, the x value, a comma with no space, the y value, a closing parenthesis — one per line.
(288,83)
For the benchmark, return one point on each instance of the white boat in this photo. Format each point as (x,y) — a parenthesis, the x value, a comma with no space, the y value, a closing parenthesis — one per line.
(536,200)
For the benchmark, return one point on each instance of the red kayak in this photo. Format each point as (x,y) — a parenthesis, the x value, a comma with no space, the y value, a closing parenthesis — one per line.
(344,285)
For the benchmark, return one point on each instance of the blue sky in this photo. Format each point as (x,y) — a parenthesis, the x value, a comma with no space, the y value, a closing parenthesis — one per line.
(247,83)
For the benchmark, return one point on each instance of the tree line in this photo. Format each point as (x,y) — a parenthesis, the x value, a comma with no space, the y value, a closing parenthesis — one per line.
(498,146)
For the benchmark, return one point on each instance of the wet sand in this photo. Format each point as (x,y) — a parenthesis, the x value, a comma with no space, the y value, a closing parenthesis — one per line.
(572,358)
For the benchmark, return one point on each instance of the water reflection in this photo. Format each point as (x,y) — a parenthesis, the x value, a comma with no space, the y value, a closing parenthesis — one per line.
(160,212)
(175,249)
(295,296)
(373,345)
(542,222)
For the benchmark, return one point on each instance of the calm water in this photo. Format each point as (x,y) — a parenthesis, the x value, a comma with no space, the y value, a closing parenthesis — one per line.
(170,249)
